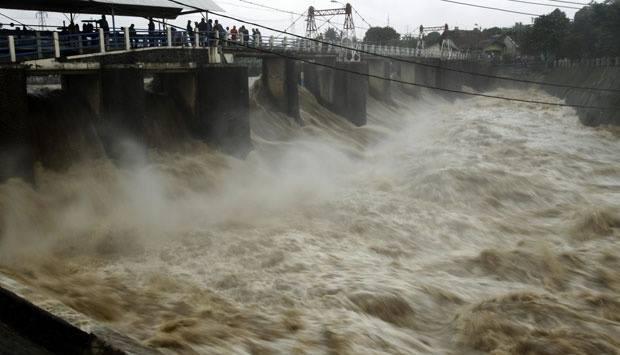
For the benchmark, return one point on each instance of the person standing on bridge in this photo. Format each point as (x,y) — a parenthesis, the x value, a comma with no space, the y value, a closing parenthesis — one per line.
(221,32)
(246,36)
(210,33)
(151,32)
(133,36)
(233,34)
(190,33)
(259,37)
(103,24)
(202,30)
(242,34)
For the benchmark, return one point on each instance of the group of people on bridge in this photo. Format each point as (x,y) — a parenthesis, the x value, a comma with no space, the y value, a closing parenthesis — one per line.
(209,31)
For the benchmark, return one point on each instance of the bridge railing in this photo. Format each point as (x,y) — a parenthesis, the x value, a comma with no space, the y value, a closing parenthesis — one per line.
(19,46)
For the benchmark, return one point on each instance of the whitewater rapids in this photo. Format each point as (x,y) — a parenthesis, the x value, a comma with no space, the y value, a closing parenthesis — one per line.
(443,227)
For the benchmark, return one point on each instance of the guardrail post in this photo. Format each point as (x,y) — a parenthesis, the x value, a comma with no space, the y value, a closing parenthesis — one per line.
(39,46)
(12,49)
(216,43)
(271,42)
(284,43)
(127,39)
(197,39)
(56,45)
(80,44)
(101,41)
(169,35)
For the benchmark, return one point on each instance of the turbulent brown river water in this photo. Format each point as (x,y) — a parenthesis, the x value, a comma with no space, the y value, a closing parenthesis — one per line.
(443,227)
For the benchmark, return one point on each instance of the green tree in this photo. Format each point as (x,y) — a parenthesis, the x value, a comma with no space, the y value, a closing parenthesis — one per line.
(549,34)
(332,34)
(432,38)
(382,35)
(408,40)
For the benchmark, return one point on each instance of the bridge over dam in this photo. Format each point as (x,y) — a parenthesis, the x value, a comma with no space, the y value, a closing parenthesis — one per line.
(204,87)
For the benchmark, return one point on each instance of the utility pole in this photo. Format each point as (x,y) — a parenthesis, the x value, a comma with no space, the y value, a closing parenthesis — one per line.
(42,17)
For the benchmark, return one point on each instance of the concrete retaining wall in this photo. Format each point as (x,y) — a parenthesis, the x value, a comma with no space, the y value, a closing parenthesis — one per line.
(598,77)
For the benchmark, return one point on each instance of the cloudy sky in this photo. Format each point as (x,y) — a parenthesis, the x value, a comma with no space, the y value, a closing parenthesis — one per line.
(404,15)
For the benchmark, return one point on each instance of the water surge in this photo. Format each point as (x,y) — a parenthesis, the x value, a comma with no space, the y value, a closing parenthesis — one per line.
(460,226)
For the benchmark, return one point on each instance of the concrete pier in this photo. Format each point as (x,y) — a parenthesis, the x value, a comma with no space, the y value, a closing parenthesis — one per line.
(64,122)
(123,129)
(16,153)
(378,88)
(224,109)
(124,100)
(351,92)
(342,91)
(281,78)
(182,88)
(85,87)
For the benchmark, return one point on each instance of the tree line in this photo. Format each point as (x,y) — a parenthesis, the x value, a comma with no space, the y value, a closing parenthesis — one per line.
(594,33)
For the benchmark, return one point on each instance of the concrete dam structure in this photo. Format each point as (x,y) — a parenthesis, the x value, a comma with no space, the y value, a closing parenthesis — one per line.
(103,101)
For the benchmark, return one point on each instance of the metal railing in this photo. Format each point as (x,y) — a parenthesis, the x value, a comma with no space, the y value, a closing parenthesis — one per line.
(20,46)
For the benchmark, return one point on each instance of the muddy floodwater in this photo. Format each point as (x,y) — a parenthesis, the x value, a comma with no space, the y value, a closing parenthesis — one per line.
(468,226)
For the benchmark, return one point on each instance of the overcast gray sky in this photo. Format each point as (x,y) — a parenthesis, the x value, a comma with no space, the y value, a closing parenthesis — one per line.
(404,15)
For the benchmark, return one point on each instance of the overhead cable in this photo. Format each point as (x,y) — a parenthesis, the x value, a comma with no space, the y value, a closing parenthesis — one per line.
(491,8)
(549,5)
(571,2)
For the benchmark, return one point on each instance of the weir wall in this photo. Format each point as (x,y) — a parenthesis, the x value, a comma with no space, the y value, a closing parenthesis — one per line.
(596,77)
(578,75)
(446,75)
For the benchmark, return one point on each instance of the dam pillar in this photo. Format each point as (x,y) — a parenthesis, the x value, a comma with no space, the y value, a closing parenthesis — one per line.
(223,109)
(123,107)
(16,155)
(280,79)
(319,80)
(427,74)
(409,73)
(183,89)
(340,90)
(378,88)
(351,92)
(64,129)
(86,88)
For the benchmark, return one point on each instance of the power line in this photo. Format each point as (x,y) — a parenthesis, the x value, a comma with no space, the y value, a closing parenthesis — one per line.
(14,20)
(570,2)
(363,19)
(267,7)
(438,67)
(549,5)
(491,8)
